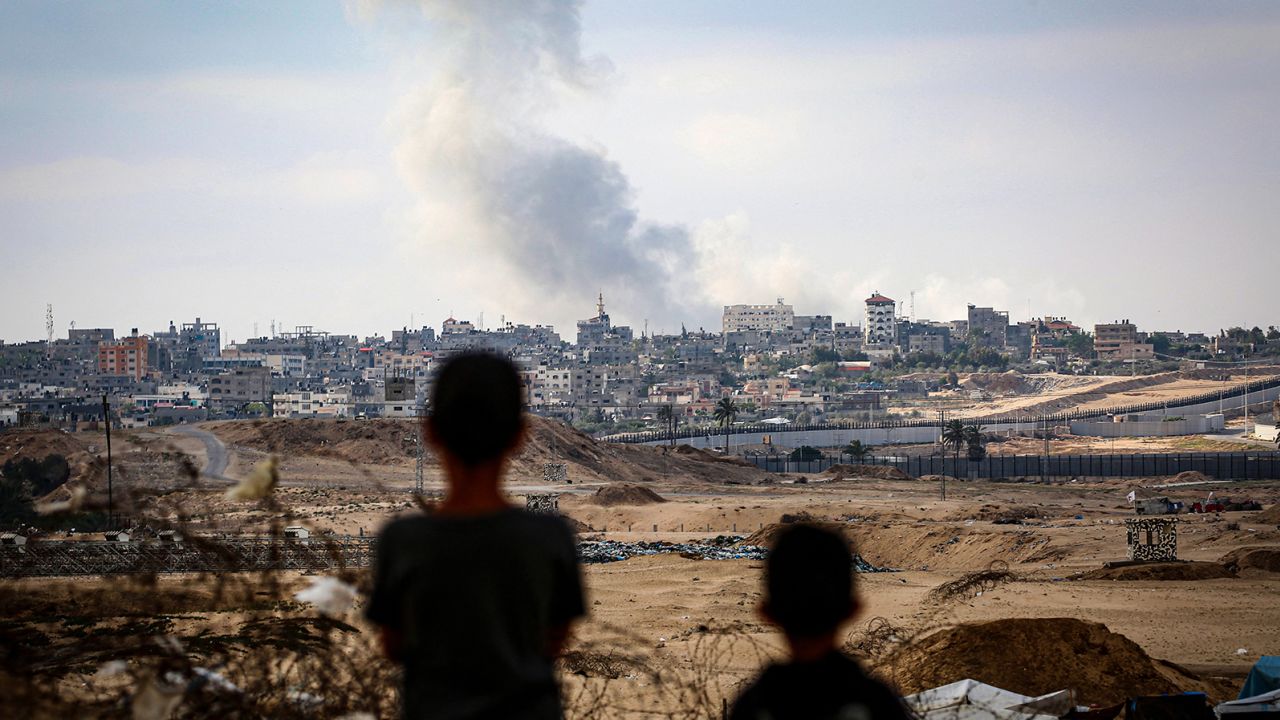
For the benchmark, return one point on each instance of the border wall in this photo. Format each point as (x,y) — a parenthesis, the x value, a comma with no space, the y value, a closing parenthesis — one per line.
(1220,465)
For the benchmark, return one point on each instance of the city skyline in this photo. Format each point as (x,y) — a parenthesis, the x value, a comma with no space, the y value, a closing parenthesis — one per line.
(159,163)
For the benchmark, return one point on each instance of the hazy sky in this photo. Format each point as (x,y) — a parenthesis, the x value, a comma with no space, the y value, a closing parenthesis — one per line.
(350,166)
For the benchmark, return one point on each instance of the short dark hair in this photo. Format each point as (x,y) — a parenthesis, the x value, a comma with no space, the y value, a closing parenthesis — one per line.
(477,407)
(809,578)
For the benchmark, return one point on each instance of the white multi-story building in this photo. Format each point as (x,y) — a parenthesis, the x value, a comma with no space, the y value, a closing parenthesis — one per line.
(879,322)
(311,404)
(761,318)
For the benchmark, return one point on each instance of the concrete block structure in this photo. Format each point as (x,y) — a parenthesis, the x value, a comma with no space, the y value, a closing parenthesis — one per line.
(1152,539)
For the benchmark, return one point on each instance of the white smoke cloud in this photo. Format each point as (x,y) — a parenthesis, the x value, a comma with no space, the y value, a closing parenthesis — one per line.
(537,220)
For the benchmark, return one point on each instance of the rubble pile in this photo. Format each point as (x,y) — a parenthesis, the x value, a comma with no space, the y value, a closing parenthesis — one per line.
(723,547)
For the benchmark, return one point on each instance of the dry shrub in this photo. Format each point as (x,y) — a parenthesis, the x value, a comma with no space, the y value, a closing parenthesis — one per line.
(603,683)
(996,573)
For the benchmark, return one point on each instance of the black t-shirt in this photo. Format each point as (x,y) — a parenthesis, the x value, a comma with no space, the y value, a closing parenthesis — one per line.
(833,688)
(474,600)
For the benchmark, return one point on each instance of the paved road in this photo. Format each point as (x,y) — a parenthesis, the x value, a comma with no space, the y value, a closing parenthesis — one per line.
(215,452)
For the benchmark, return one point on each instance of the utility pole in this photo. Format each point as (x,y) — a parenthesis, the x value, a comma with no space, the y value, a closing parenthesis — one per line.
(1246,394)
(942,426)
(106,415)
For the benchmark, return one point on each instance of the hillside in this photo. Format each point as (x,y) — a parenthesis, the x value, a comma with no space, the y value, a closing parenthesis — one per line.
(392,442)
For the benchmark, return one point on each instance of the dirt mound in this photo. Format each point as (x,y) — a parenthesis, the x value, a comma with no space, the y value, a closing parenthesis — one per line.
(1032,657)
(879,472)
(39,444)
(1190,476)
(695,452)
(379,441)
(765,536)
(1269,516)
(1163,571)
(1266,559)
(999,383)
(577,525)
(936,478)
(626,494)
(590,459)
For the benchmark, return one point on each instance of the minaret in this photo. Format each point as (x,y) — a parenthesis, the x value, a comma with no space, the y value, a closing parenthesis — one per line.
(600,305)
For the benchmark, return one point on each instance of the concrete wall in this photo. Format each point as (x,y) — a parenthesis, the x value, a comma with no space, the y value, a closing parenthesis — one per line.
(1193,425)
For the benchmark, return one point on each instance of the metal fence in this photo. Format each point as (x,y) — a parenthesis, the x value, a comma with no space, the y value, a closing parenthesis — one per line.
(1038,418)
(1218,465)
(40,558)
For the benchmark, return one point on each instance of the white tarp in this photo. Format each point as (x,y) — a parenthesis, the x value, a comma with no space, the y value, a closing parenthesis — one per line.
(972,700)
(776,421)
(1268,702)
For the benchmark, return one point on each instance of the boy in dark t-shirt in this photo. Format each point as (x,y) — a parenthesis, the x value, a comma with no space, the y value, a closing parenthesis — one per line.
(809,585)
(476,599)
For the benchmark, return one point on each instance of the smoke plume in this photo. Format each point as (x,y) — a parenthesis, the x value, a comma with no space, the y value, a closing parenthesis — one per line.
(518,208)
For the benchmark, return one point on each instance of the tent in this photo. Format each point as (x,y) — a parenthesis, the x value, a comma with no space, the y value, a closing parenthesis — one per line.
(1263,678)
(972,700)
(1259,707)
(1179,706)
(776,421)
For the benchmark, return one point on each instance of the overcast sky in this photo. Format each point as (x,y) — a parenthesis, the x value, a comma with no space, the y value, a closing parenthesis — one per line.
(353,166)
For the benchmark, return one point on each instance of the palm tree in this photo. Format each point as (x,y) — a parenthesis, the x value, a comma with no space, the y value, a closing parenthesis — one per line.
(973,438)
(726,412)
(667,414)
(857,450)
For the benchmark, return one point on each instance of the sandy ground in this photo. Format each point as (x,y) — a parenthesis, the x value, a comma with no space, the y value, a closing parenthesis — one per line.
(698,618)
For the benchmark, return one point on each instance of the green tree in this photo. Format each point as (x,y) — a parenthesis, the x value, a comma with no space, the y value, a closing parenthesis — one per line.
(1080,344)
(1160,343)
(667,414)
(16,505)
(823,355)
(726,412)
(954,436)
(856,450)
(973,439)
(806,453)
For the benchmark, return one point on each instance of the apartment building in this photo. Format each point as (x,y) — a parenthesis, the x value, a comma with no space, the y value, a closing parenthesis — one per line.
(125,357)
(1120,341)
(762,318)
(879,321)
(987,327)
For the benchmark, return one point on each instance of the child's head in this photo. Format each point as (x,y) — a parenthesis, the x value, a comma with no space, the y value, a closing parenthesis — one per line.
(809,579)
(477,408)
